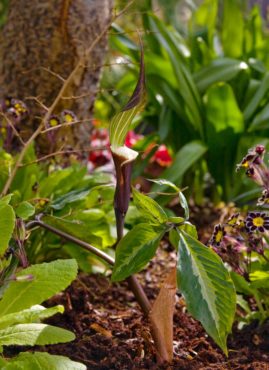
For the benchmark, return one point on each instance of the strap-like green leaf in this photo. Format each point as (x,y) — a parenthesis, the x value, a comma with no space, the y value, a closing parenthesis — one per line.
(207,287)
(120,123)
(41,361)
(34,334)
(48,279)
(136,249)
(149,208)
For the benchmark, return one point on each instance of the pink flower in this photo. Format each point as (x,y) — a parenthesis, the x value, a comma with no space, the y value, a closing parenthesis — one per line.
(99,157)
(132,138)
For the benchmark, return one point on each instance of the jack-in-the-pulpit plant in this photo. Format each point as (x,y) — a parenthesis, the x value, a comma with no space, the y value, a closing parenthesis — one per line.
(200,274)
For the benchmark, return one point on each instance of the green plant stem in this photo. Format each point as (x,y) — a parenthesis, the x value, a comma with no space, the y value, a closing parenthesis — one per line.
(260,306)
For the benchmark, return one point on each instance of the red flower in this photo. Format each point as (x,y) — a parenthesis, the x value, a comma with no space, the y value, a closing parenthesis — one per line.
(162,156)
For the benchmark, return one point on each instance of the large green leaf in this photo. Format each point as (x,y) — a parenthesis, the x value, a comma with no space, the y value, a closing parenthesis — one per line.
(136,249)
(224,125)
(207,287)
(149,208)
(232,29)
(48,279)
(33,314)
(41,361)
(184,159)
(220,70)
(34,334)
(7,223)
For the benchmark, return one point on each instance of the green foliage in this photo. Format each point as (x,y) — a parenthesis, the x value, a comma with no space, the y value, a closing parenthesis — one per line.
(34,334)
(7,224)
(41,360)
(202,277)
(207,287)
(149,208)
(217,65)
(20,314)
(48,279)
(136,249)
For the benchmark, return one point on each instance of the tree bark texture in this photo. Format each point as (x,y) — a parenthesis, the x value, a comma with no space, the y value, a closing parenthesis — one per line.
(53,34)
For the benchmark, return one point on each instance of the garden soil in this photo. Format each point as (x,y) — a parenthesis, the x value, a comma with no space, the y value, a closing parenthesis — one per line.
(113,334)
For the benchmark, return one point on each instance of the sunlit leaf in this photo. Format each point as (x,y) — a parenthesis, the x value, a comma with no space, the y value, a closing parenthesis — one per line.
(207,288)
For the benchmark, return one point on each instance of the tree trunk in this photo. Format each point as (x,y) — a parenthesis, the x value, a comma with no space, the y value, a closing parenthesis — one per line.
(42,35)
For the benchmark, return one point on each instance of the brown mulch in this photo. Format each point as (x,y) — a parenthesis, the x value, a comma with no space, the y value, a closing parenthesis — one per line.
(113,334)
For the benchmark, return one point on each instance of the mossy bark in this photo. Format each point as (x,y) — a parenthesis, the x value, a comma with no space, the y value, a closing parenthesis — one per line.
(53,34)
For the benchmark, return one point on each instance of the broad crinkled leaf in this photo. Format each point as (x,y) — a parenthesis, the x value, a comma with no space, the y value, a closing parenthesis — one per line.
(149,208)
(7,223)
(48,279)
(136,249)
(33,314)
(42,361)
(207,288)
(34,334)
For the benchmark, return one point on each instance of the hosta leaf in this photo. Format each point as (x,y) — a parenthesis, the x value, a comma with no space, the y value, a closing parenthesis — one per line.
(7,223)
(136,249)
(120,123)
(232,29)
(42,361)
(34,334)
(207,287)
(48,279)
(33,314)
(149,208)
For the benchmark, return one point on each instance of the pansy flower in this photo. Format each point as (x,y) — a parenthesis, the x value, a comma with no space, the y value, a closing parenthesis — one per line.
(257,221)
(233,220)
(218,235)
